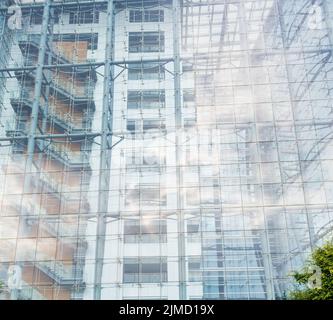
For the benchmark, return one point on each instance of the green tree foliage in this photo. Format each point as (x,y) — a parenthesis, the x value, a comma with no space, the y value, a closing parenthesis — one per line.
(322,258)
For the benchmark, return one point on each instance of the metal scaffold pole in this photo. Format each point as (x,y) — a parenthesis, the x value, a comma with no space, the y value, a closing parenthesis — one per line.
(105,153)
(35,108)
(37,92)
(328,20)
(48,74)
(178,125)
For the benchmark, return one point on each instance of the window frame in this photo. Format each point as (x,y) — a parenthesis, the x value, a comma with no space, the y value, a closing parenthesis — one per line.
(140,16)
(146,41)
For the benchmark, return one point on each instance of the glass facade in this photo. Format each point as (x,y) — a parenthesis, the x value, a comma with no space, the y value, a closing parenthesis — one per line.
(163,149)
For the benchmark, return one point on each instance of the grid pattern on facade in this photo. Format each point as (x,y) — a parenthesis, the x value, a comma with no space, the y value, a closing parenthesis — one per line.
(164,149)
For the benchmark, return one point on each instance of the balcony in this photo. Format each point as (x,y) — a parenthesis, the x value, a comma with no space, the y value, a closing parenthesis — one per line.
(62,191)
(67,232)
(72,233)
(64,275)
(80,95)
(67,157)
(63,121)
(69,122)
(75,160)
(31,46)
(13,129)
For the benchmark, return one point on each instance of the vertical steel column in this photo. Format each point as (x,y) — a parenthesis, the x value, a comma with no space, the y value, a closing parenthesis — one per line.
(5,43)
(37,92)
(328,20)
(281,21)
(266,252)
(178,146)
(47,88)
(48,74)
(105,153)
(35,106)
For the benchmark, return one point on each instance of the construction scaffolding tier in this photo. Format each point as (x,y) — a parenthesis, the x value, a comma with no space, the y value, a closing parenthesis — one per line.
(163,149)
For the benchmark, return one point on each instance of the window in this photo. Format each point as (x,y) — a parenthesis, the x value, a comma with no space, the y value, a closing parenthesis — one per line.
(145,196)
(136,16)
(189,123)
(149,125)
(145,231)
(187,67)
(193,230)
(193,226)
(84,17)
(154,16)
(189,98)
(131,126)
(146,99)
(148,158)
(91,38)
(56,16)
(134,126)
(147,16)
(146,42)
(152,196)
(145,270)
(36,18)
(192,196)
(146,71)
(194,269)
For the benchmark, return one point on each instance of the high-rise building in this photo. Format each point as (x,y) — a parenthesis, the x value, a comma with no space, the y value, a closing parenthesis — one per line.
(163,149)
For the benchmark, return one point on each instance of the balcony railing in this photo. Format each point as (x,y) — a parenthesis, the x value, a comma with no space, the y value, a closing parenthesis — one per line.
(63,274)
(64,229)
(66,121)
(63,190)
(75,92)
(56,270)
(67,231)
(65,87)
(12,128)
(59,152)
(24,95)
(57,57)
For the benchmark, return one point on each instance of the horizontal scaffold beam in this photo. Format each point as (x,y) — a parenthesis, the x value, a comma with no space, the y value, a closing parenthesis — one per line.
(92,64)
(55,136)
(95,3)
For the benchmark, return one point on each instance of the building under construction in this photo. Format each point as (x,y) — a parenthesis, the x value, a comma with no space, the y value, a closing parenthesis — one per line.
(163,149)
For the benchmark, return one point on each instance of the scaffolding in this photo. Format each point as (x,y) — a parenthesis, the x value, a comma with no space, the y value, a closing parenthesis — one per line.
(221,76)
(52,61)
